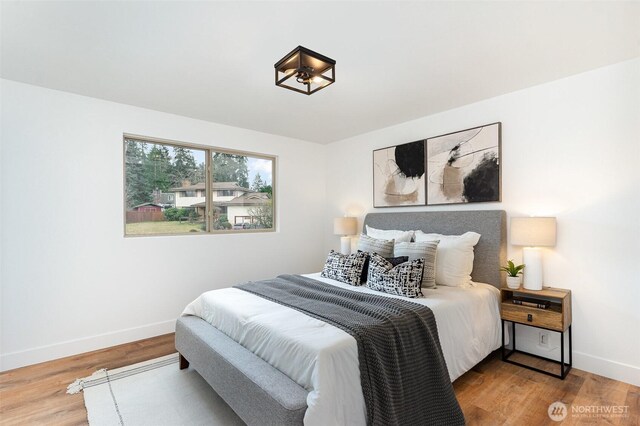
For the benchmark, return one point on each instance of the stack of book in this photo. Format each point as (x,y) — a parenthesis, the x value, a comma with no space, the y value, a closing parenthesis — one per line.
(532,303)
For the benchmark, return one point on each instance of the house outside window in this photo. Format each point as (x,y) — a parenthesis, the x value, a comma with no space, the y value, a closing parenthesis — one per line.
(166,187)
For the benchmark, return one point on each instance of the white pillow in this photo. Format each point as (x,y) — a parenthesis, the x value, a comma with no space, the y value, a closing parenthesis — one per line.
(454,257)
(382,234)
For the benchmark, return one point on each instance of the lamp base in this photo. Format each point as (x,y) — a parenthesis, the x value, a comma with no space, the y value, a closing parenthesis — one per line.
(532,259)
(345,245)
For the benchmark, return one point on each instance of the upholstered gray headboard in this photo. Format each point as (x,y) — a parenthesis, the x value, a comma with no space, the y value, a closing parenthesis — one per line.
(491,251)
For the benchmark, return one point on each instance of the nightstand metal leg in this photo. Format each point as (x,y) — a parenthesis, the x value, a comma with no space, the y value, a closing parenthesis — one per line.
(502,347)
(564,373)
(505,352)
(562,354)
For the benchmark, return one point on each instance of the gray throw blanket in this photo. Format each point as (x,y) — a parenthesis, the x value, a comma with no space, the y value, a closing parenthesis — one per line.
(402,370)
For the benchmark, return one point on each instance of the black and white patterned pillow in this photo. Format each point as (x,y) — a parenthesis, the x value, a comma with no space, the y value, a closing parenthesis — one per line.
(394,261)
(402,280)
(373,245)
(345,268)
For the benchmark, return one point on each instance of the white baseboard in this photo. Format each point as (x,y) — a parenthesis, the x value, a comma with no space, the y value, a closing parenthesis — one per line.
(18,359)
(528,341)
(607,368)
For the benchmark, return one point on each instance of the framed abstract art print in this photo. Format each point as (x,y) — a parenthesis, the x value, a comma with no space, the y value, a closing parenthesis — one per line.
(464,167)
(398,175)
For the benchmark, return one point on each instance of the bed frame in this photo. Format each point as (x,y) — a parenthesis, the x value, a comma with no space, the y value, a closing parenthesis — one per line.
(262,395)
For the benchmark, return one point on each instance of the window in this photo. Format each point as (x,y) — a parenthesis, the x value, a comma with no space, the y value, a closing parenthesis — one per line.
(244,188)
(242,219)
(176,188)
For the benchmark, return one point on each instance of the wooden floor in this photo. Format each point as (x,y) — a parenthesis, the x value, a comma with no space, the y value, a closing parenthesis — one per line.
(37,394)
(498,393)
(492,393)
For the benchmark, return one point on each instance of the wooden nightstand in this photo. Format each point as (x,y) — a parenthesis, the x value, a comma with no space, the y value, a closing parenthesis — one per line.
(556,317)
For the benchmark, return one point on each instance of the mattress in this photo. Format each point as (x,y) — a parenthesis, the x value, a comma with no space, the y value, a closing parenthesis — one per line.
(324,360)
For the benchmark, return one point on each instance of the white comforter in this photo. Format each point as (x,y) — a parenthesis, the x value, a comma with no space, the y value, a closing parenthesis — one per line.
(324,359)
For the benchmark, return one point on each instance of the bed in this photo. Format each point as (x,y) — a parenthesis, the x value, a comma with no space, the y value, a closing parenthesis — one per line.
(274,380)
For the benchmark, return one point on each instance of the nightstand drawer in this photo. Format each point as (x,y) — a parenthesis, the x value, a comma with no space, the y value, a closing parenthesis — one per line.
(545,318)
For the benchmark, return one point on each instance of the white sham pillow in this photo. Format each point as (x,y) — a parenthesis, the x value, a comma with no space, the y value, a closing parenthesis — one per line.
(394,234)
(454,257)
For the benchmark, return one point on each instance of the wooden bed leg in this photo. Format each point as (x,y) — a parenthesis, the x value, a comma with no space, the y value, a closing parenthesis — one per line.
(183,362)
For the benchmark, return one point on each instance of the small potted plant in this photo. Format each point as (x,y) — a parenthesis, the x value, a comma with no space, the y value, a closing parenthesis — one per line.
(514,274)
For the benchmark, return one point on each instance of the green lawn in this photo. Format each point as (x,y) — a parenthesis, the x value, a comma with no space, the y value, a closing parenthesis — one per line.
(143,228)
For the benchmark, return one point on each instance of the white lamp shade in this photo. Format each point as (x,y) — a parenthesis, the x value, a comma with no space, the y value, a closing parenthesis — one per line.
(345,226)
(533,231)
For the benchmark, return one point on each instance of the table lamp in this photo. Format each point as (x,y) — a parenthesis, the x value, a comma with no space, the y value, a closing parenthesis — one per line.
(345,226)
(533,232)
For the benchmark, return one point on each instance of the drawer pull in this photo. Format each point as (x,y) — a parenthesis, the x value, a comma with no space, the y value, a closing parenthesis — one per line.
(529,317)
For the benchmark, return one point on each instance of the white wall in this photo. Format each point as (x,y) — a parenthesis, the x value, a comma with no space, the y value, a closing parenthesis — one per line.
(70,281)
(571,149)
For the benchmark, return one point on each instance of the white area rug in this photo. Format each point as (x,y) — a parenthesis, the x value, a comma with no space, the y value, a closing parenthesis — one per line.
(153,393)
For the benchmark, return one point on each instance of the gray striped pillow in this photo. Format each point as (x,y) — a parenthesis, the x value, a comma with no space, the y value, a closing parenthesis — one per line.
(373,245)
(421,250)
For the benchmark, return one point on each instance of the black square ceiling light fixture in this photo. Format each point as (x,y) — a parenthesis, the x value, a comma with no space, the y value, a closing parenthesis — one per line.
(305,71)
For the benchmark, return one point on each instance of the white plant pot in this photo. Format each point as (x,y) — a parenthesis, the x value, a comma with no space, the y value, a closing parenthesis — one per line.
(514,282)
